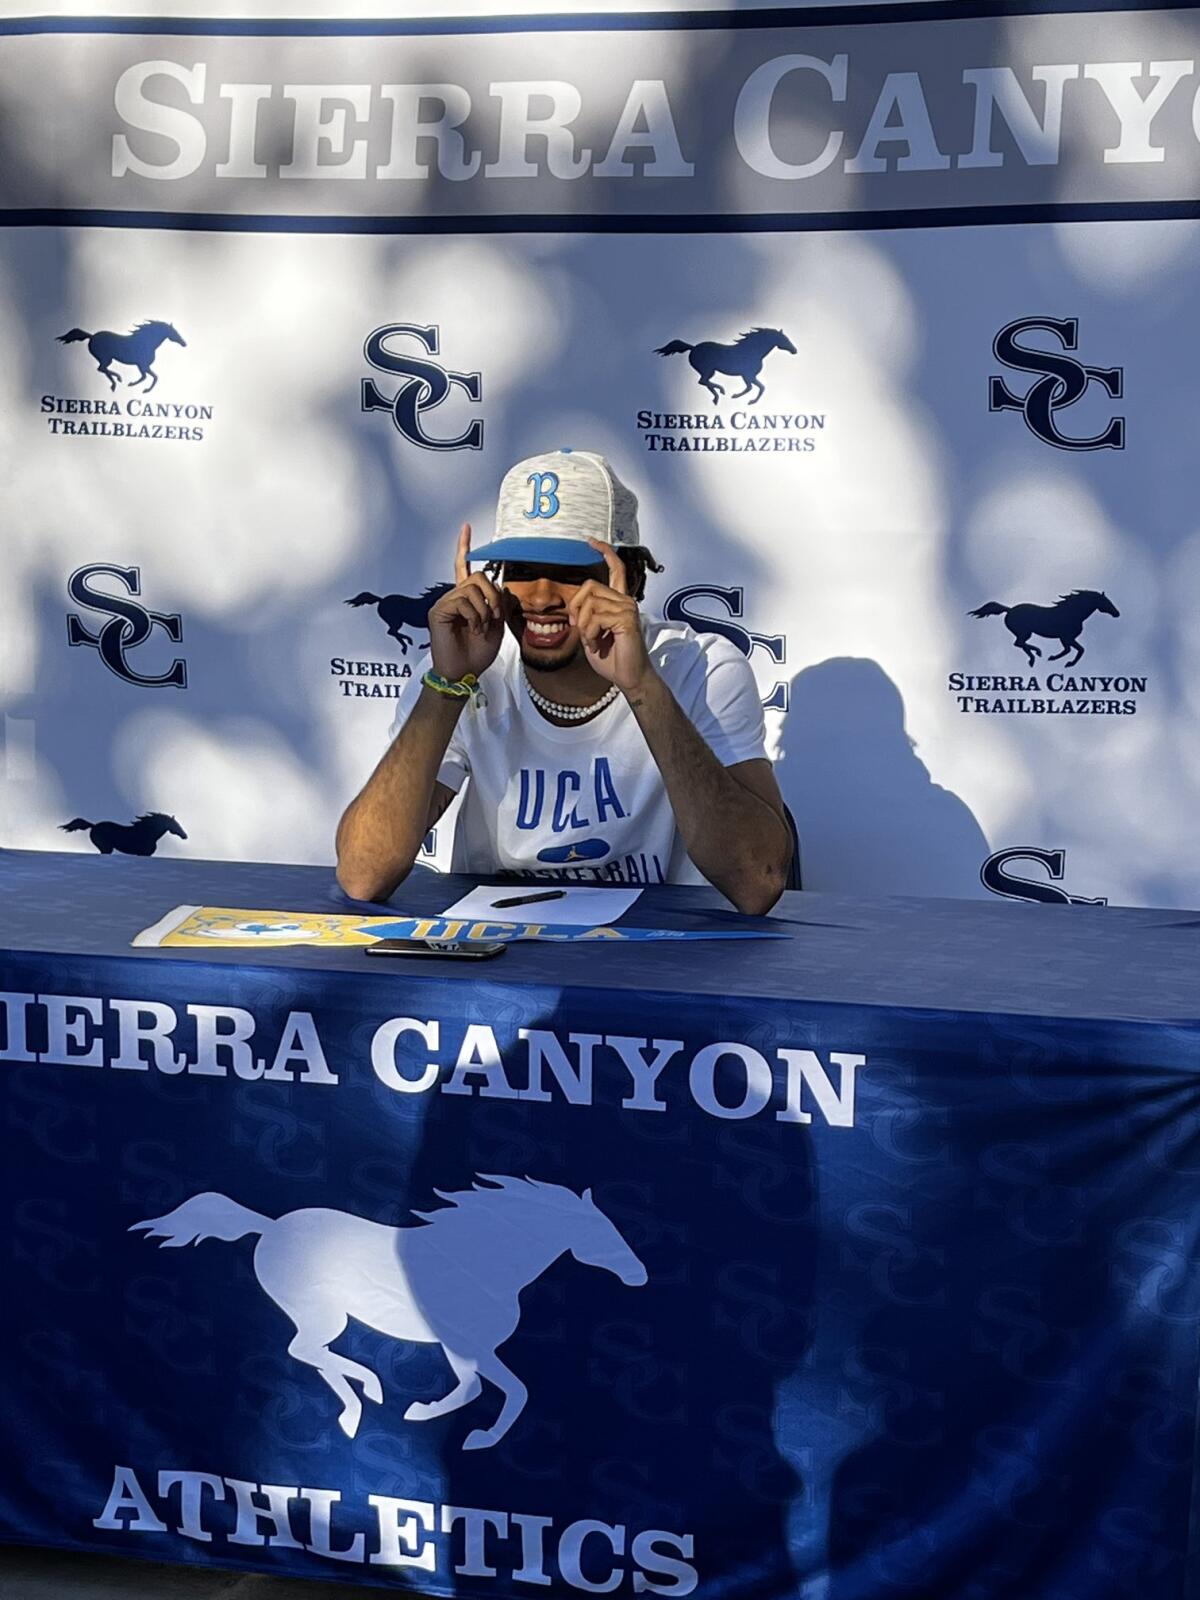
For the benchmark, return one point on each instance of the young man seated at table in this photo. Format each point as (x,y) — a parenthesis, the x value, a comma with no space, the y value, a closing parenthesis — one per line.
(597,745)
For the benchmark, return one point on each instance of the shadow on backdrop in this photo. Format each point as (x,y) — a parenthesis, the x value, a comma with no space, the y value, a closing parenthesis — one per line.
(870,818)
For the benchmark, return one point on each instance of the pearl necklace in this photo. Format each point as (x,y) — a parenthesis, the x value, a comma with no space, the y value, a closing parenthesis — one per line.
(570,713)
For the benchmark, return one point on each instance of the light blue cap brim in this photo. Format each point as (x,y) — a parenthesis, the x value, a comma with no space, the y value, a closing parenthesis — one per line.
(546,552)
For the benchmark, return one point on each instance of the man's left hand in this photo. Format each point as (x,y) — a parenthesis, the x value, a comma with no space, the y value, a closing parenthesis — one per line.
(610,625)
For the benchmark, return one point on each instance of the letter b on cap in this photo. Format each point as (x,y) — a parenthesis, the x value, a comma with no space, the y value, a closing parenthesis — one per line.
(545,495)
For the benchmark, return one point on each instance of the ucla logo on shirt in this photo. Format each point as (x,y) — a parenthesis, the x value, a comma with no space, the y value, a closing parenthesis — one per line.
(560,799)
(424,386)
(733,601)
(568,801)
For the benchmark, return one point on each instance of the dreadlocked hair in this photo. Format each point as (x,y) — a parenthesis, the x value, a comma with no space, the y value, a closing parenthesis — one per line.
(637,564)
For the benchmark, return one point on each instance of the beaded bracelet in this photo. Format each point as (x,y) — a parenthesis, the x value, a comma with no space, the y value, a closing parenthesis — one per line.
(465,688)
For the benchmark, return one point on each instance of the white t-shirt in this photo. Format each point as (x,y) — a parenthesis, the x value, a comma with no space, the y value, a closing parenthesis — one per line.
(587,804)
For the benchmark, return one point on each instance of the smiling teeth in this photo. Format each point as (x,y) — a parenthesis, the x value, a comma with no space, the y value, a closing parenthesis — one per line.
(546,627)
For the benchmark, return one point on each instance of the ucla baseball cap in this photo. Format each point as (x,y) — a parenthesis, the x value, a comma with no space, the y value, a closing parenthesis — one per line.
(551,505)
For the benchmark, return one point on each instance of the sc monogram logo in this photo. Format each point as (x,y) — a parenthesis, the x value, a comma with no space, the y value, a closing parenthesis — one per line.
(424,388)
(1063,381)
(1000,882)
(128,625)
(545,495)
(677,609)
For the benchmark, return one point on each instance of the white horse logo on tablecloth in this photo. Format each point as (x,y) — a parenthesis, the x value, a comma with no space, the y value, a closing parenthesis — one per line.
(456,1281)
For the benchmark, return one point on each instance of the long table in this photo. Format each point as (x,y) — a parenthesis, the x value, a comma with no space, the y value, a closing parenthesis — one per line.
(856,1264)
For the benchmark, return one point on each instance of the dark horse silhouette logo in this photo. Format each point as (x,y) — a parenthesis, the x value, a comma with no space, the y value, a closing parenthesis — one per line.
(136,349)
(741,359)
(1063,621)
(398,611)
(137,838)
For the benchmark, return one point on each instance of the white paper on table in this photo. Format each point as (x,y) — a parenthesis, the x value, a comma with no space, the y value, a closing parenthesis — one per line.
(572,906)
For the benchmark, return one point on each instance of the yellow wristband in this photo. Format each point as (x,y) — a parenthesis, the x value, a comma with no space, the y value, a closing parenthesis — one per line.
(464,688)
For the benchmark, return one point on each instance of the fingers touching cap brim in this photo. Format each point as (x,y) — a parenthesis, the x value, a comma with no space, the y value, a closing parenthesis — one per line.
(545,552)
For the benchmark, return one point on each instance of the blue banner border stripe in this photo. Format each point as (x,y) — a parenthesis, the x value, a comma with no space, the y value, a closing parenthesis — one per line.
(702,222)
(641,21)
(765,222)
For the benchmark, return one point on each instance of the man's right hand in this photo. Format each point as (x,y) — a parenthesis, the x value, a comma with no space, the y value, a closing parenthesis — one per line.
(466,626)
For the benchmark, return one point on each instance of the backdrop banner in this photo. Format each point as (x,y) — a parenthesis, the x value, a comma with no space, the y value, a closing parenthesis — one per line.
(883,313)
(586,123)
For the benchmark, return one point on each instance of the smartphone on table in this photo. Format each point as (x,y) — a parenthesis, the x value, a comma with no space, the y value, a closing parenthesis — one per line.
(467,950)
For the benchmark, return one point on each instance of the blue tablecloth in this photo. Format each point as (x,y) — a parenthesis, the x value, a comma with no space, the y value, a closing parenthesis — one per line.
(853,1265)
